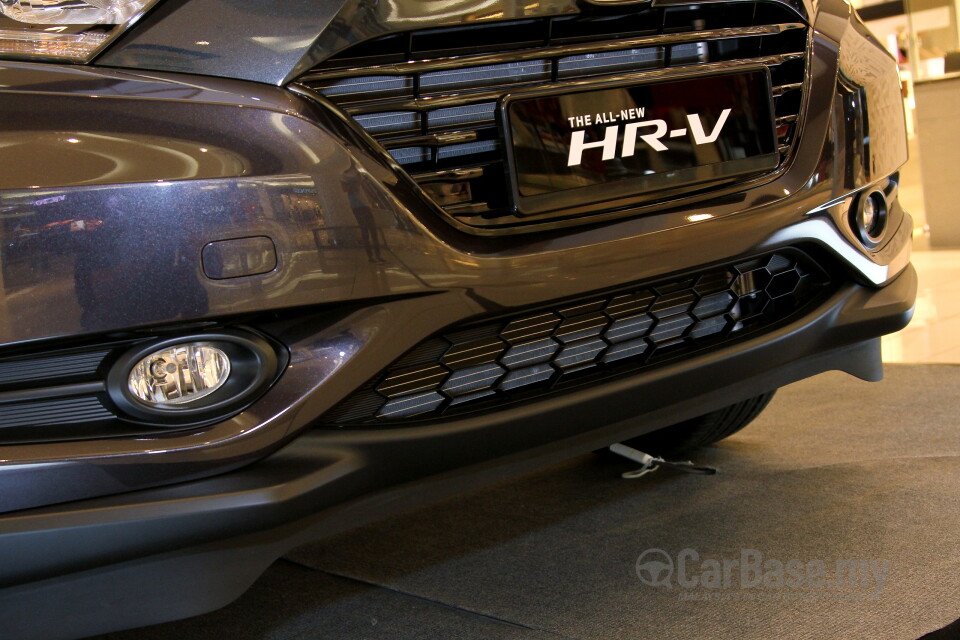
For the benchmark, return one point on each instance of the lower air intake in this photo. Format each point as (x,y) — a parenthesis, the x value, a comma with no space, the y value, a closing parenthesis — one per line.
(486,364)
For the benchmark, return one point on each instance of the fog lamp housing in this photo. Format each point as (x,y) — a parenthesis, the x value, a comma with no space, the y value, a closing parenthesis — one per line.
(193,378)
(869,218)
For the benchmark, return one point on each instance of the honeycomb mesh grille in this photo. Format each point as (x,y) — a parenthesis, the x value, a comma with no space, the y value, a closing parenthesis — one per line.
(533,353)
(430,97)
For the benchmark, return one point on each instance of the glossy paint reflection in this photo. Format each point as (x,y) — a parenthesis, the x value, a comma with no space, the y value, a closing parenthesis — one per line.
(128,256)
(54,159)
(869,89)
(72,126)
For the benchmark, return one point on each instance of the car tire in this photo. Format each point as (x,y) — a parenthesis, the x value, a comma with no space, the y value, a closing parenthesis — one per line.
(702,430)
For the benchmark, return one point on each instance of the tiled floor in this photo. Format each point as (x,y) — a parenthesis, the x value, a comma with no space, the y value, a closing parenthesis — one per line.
(911,195)
(934,333)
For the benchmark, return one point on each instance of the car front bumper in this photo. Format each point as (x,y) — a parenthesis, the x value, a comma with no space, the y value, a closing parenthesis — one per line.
(196,546)
(152,167)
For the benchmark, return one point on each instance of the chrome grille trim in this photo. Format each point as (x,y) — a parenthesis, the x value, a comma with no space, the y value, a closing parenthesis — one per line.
(448,175)
(433,139)
(460,99)
(454,62)
(785,88)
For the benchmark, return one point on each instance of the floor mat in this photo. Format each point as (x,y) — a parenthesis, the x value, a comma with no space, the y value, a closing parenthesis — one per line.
(291,602)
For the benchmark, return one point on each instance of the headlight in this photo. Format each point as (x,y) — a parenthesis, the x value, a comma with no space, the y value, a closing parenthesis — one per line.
(71,30)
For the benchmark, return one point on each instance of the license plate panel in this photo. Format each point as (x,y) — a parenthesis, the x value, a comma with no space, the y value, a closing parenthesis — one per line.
(632,139)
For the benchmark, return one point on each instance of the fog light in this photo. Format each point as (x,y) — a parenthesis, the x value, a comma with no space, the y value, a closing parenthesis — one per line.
(869,219)
(179,374)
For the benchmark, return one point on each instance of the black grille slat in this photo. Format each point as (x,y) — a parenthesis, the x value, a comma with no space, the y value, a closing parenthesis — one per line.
(390,122)
(413,380)
(531,328)
(70,366)
(474,352)
(531,353)
(53,412)
(527,354)
(478,115)
(411,405)
(486,75)
(369,88)
(57,392)
(609,61)
(451,79)
(628,329)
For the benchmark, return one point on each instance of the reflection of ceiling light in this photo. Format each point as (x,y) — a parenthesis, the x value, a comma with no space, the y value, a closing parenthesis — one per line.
(202,43)
(436,10)
(73,141)
(282,43)
(203,149)
(698,217)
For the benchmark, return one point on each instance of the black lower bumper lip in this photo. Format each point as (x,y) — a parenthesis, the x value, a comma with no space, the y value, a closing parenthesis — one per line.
(199,545)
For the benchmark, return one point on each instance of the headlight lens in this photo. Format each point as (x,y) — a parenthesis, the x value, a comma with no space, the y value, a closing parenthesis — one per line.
(71,30)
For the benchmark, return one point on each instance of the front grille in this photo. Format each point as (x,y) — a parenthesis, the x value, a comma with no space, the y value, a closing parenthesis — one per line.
(531,354)
(430,97)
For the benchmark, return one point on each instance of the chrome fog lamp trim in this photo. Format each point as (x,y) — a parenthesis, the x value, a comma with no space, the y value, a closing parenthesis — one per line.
(868,218)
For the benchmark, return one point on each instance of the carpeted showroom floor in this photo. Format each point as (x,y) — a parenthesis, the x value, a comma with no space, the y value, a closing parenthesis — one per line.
(835,515)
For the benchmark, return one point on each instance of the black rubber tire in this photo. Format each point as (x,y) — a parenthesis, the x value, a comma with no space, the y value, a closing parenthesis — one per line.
(701,431)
